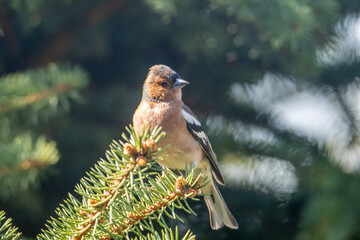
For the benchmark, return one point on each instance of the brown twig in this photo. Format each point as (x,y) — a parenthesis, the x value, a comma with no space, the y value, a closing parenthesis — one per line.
(182,190)
(38,96)
(24,165)
(98,206)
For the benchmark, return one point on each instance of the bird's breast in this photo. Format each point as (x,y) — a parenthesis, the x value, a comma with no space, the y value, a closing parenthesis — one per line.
(180,146)
(152,114)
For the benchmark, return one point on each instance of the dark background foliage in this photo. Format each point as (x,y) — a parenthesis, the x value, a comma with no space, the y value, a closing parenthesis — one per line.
(212,44)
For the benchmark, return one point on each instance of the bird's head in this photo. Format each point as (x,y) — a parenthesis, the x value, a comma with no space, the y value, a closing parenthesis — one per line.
(163,84)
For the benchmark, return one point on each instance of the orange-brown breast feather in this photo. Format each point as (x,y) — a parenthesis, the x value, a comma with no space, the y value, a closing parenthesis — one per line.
(154,90)
(183,148)
(158,114)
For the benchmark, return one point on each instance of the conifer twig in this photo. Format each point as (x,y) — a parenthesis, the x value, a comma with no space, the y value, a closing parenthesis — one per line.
(7,231)
(120,198)
(21,161)
(19,90)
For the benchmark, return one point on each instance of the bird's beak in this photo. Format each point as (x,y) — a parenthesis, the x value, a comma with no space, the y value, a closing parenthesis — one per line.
(180,83)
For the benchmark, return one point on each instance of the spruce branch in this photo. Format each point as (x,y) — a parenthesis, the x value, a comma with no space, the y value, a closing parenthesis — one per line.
(126,195)
(44,90)
(169,235)
(7,231)
(24,99)
(21,161)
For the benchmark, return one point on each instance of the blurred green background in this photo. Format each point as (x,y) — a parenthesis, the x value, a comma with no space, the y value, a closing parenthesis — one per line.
(275,84)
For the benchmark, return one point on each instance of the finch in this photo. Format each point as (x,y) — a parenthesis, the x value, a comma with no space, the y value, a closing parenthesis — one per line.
(162,105)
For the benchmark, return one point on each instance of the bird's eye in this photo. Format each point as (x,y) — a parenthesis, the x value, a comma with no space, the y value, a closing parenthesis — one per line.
(163,84)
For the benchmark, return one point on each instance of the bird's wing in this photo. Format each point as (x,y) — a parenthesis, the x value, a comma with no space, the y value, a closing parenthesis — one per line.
(194,127)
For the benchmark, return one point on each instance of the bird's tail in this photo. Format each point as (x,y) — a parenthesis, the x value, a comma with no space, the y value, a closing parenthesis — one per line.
(218,211)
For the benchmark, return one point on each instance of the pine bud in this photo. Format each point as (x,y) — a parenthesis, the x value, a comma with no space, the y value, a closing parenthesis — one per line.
(129,222)
(179,183)
(105,237)
(129,149)
(149,144)
(92,201)
(131,215)
(141,161)
(117,230)
(191,192)
(84,213)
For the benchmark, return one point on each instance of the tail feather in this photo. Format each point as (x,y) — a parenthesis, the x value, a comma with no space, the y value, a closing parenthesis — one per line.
(219,213)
